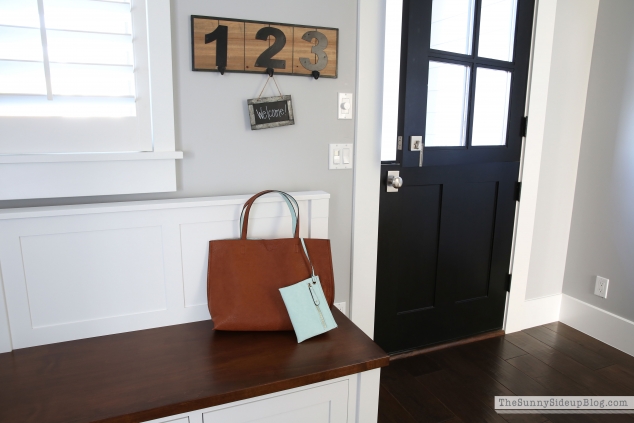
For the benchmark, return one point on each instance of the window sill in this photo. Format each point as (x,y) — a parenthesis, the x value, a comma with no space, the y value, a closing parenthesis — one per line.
(30,176)
(88,157)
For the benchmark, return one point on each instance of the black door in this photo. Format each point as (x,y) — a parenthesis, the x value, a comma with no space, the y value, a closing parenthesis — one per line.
(445,236)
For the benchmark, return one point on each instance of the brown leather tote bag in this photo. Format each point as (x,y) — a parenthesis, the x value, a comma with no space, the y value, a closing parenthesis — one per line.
(245,275)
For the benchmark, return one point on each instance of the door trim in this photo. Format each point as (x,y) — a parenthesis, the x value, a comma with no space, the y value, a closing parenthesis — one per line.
(367,158)
(537,100)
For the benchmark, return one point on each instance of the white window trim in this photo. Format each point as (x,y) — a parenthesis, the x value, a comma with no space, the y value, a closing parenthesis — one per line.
(24,176)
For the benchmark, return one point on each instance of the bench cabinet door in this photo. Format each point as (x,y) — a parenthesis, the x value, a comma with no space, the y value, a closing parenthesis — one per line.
(323,404)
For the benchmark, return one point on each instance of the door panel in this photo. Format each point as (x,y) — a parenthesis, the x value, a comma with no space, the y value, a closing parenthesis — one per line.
(444,253)
(420,234)
(466,228)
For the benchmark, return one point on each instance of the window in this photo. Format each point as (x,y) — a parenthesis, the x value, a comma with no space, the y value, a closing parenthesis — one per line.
(452,25)
(449,99)
(447,93)
(71,58)
(470,71)
(85,81)
(63,59)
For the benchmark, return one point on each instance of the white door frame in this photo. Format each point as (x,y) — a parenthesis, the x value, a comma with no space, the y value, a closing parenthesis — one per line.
(536,105)
(367,168)
(371,79)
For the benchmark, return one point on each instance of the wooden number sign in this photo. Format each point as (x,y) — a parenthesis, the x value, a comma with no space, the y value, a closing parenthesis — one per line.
(221,44)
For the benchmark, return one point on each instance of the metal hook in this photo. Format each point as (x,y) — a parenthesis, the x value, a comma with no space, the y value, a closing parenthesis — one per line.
(270,71)
(316,74)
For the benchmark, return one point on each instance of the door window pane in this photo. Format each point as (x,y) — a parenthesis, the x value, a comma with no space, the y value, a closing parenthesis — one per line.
(391,79)
(491,110)
(497,29)
(452,25)
(447,96)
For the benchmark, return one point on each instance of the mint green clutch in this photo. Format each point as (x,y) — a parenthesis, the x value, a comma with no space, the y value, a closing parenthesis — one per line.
(307,307)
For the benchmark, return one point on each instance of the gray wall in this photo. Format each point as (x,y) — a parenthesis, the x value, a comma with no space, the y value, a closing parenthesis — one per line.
(569,74)
(602,229)
(223,156)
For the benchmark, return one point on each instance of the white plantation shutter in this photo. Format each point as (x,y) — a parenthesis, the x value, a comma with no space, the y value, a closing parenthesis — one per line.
(73,76)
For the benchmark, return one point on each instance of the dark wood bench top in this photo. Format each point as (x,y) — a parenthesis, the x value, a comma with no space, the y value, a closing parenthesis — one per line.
(145,375)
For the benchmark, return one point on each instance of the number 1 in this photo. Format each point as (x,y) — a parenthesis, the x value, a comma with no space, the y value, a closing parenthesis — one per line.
(220,36)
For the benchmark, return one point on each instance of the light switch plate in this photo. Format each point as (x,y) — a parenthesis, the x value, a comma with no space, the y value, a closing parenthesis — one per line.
(340,156)
(344,106)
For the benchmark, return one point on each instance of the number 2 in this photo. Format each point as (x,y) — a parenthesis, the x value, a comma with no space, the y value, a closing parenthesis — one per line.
(322,57)
(220,35)
(265,59)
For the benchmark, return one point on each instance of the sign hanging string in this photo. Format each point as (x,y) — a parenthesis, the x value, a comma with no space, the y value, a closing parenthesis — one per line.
(267,81)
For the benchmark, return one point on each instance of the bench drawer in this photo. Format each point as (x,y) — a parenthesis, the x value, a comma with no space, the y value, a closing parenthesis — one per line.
(323,404)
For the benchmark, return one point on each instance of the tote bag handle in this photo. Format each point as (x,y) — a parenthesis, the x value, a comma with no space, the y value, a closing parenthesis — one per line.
(290,201)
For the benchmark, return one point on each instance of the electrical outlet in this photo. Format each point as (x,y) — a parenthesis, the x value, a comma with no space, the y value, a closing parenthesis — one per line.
(341,307)
(601,287)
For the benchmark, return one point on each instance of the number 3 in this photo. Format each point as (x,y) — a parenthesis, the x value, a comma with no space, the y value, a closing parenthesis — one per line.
(322,57)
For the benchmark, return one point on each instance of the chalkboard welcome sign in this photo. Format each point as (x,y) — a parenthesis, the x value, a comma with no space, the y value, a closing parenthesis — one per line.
(271,112)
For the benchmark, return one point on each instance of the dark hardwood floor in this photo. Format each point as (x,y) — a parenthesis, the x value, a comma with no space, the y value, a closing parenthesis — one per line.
(458,384)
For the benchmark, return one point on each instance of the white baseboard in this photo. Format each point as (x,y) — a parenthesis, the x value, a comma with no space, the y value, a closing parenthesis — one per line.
(597,323)
(541,311)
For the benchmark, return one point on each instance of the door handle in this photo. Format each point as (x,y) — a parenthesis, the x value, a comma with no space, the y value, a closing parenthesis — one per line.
(394,181)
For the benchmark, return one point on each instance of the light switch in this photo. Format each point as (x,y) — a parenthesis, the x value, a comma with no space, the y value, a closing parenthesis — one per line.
(340,156)
(344,105)
(337,157)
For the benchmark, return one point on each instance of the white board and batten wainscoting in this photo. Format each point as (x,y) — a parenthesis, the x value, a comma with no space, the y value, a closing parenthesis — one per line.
(73,272)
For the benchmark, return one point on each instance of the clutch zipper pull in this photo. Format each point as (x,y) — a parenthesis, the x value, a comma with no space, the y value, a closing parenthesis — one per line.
(313,294)
(316,302)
